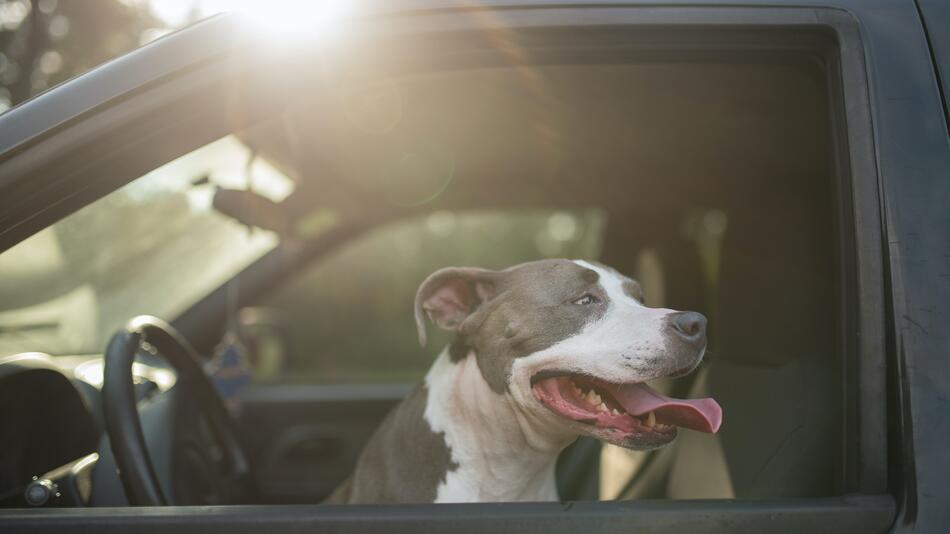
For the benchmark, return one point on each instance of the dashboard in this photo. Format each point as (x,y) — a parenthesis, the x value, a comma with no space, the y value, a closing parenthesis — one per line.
(52,427)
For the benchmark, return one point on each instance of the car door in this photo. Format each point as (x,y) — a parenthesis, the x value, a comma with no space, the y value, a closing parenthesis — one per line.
(892,467)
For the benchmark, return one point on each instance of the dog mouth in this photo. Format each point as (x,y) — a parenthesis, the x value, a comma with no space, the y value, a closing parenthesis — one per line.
(632,415)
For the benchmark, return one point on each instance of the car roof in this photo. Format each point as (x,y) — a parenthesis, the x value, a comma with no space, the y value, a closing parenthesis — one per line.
(172,53)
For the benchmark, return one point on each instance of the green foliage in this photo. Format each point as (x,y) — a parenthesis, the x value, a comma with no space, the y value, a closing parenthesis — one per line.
(45,42)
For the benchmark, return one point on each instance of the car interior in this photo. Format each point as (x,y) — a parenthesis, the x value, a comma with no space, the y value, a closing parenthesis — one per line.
(298,242)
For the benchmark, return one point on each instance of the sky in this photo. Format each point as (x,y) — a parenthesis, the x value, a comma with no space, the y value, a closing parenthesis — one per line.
(56,61)
(276,15)
(178,13)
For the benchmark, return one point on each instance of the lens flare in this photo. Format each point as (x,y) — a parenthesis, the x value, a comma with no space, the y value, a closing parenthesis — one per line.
(286,17)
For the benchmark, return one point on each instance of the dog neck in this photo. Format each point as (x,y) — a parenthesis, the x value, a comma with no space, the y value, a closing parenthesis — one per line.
(500,452)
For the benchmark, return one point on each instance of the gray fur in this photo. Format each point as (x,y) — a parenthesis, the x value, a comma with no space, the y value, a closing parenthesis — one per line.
(529,308)
(403,462)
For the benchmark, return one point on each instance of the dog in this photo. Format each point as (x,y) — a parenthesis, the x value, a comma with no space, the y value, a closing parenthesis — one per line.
(544,352)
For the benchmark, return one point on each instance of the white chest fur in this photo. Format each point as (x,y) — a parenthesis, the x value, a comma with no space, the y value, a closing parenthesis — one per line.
(498,456)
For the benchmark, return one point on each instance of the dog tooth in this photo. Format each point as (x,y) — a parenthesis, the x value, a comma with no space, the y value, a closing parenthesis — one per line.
(651,421)
(596,400)
(601,407)
(615,411)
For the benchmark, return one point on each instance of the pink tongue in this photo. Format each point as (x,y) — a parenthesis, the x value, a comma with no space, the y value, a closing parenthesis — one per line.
(703,415)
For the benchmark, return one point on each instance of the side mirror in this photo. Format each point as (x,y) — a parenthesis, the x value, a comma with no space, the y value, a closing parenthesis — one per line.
(266,334)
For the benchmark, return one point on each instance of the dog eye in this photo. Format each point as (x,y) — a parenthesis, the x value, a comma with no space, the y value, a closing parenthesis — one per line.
(587,300)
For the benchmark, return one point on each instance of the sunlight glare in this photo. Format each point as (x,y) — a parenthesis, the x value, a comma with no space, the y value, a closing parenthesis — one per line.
(292,16)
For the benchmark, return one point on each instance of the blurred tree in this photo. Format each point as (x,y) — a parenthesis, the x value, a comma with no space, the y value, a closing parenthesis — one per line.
(44,42)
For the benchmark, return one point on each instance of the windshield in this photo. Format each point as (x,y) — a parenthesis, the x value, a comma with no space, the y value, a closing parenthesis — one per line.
(154,247)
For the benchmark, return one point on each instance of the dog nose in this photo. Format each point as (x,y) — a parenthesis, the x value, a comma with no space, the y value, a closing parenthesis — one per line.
(691,326)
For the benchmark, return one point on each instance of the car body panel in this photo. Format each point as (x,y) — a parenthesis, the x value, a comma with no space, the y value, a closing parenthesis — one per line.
(832,515)
(936,19)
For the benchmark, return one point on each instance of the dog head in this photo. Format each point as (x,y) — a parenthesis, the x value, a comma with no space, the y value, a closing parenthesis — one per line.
(572,344)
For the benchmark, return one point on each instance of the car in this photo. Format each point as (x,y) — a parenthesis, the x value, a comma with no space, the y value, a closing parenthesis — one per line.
(209,246)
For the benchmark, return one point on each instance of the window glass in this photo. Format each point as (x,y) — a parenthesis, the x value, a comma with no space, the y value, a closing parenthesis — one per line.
(350,315)
(155,246)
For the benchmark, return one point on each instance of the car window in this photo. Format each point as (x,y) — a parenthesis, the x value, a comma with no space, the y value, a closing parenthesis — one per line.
(349,316)
(154,246)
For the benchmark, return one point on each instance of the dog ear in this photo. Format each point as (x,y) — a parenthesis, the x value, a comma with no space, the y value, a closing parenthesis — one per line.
(448,296)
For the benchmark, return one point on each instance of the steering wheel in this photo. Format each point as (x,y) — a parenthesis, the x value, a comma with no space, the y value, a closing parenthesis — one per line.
(124,426)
